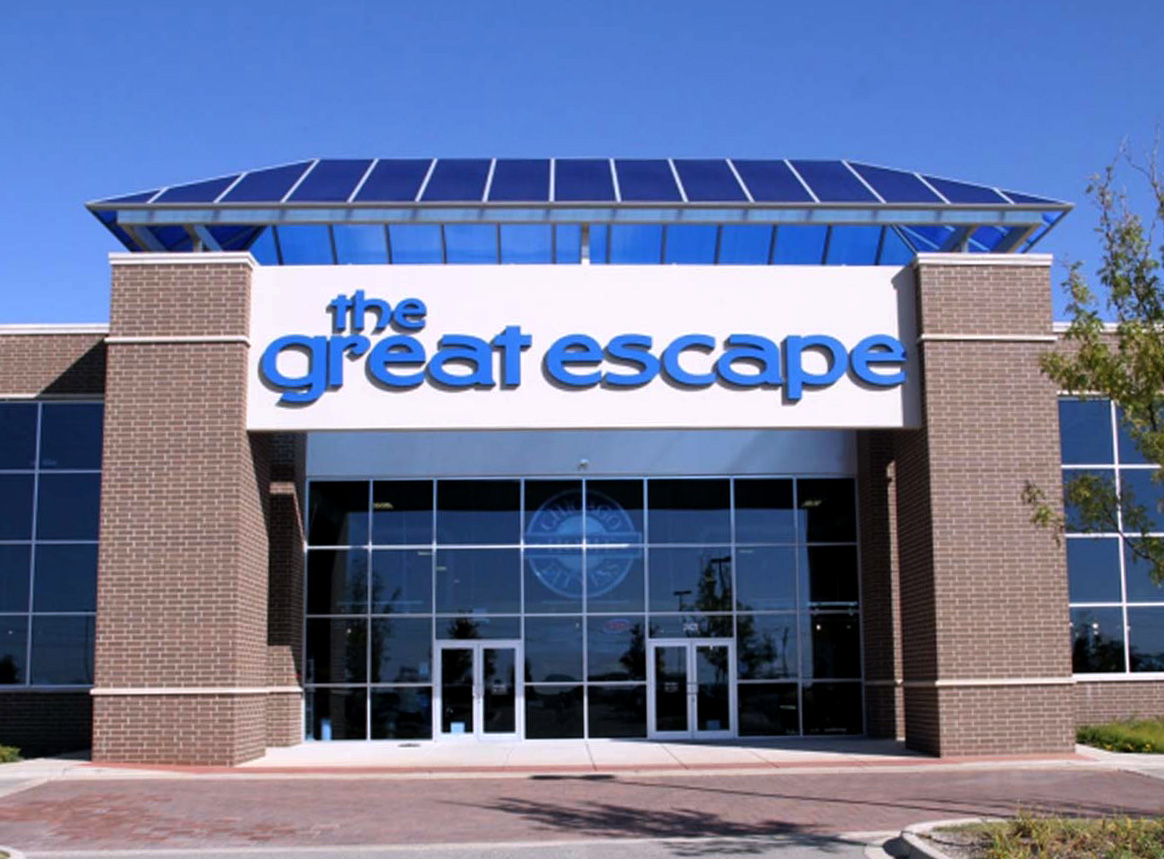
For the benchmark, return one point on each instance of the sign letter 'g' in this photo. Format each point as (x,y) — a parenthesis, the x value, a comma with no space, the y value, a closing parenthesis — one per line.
(306,388)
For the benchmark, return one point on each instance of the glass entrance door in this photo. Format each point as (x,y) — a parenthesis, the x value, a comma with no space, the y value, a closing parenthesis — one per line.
(479,695)
(692,689)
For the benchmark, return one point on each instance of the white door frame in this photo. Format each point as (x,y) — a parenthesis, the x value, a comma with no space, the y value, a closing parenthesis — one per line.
(477,646)
(692,732)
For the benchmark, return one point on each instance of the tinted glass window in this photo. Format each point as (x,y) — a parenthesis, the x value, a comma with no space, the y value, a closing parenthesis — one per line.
(832,708)
(401,650)
(690,626)
(67,508)
(614,511)
(553,511)
(553,649)
(553,580)
(764,511)
(14,578)
(689,511)
(827,513)
(338,513)
(614,579)
(402,512)
(62,651)
(833,646)
(1137,487)
(402,714)
(66,578)
(1129,453)
(13,649)
(1070,511)
(768,709)
(478,511)
(832,574)
(71,435)
(337,581)
(1085,431)
(618,711)
(1146,638)
(17,435)
(337,714)
(16,506)
(1141,587)
(766,646)
(1097,640)
(1093,570)
(402,581)
(478,627)
(553,712)
(360,244)
(616,648)
(766,577)
(690,579)
(337,650)
(478,581)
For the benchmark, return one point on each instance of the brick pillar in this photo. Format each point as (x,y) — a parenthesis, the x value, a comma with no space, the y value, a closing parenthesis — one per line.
(984,618)
(182,652)
(880,614)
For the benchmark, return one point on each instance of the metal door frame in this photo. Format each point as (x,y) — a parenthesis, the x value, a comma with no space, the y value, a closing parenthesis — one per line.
(476,646)
(692,732)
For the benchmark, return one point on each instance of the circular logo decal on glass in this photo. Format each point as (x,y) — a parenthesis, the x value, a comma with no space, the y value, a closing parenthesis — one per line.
(562,521)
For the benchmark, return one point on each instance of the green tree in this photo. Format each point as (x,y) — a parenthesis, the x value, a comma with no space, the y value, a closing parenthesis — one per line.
(1122,360)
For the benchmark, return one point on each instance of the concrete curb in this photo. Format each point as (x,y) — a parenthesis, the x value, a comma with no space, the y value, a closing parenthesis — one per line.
(922,848)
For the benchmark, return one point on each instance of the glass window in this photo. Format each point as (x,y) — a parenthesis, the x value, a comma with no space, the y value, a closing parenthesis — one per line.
(337,714)
(553,512)
(337,581)
(480,512)
(553,712)
(708,180)
(478,581)
(766,578)
(66,578)
(646,180)
(394,180)
(745,244)
(614,579)
(331,180)
(1070,511)
(71,435)
(402,581)
(832,574)
(337,650)
(833,182)
(616,648)
(1146,638)
(338,513)
(614,511)
(833,646)
(1097,640)
(583,179)
(568,244)
(14,572)
(16,506)
(17,435)
(553,649)
(691,244)
(766,646)
(827,513)
(457,179)
(13,649)
(478,628)
(1138,487)
(520,180)
(67,508)
(689,511)
(832,708)
(1085,431)
(402,714)
(401,650)
(553,580)
(768,709)
(416,244)
(1129,453)
(1138,571)
(853,245)
(471,244)
(690,626)
(305,244)
(1093,569)
(695,579)
(266,186)
(62,651)
(771,182)
(799,245)
(632,244)
(617,711)
(360,244)
(402,512)
(527,244)
(764,511)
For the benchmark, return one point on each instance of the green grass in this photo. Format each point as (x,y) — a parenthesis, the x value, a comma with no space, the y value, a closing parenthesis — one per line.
(9,754)
(1134,735)
(1059,838)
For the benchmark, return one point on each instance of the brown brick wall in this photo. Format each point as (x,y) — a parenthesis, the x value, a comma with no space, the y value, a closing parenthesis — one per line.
(221,730)
(44,722)
(1011,720)
(52,364)
(1106,701)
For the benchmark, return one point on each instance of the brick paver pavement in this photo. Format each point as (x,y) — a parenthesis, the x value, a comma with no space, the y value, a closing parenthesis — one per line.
(250,812)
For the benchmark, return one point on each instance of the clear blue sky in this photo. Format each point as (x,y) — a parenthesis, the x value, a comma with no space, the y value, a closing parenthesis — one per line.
(99,99)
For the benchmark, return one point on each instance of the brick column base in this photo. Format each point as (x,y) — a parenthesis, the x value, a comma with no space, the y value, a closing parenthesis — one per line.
(284,718)
(991,720)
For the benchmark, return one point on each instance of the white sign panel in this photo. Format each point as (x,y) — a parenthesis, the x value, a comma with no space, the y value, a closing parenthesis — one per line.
(581,347)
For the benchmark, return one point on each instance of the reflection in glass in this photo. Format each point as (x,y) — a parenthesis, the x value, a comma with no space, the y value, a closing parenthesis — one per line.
(767,709)
(1097,640)
(402,512)
(17,435)
(13,649)
(1138,572)
(614,579)
(67,506)
(478,512)
(689,511)
(1093,570)
(360,244)
(671,689)
(478,581)
(337,650)
(16,506)
(766,578)
(553,712)
(1129,453)
(553,580)
(764,512)
(402,714)
(1085,431)
(1137,488)
(766,646)
(713,687)
(614,511)
(690,626)
(832,574)
(827,512)
(499,700)
(62,651)
(457,691)
(337,513)
(617,711)
(401,581)
(1146,638)
(14,577)
(690,579)
(478,628)
(337,581)
(70,435)
(834,646)
(66,577)
(553,649)
(401,650)
(832,708)
(1074,520)
(616,648)
(553,512)
(337,714)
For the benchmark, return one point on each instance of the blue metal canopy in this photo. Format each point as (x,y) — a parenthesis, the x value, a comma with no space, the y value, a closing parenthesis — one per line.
(600,210)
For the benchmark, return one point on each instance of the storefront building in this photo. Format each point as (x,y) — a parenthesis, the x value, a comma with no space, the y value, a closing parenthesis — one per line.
(465,450)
